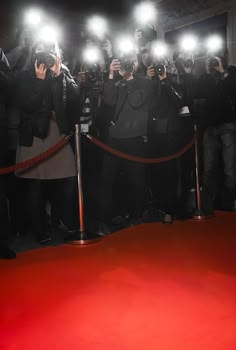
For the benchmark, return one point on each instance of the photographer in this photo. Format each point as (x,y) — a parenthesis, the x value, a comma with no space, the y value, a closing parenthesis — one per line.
(144,38)
(164,138)
(217,86)
(5,85)
(19,56)
(129,98)
(47,97)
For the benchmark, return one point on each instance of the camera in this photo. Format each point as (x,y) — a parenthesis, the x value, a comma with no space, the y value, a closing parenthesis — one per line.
(213,63)
(148,34)
(159,68)
(126,65)
(93,76)
(45,58)
(93,72)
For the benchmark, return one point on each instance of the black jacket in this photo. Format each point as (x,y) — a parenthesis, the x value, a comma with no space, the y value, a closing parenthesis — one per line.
(219,95)
(130,101)
(37,99)
(165,108)
(5,84)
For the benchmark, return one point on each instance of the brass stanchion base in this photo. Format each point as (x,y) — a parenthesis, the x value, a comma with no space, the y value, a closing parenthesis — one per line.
(200,216)
(83,238)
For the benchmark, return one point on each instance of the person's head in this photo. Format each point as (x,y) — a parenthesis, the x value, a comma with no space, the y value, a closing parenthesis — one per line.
(146,58)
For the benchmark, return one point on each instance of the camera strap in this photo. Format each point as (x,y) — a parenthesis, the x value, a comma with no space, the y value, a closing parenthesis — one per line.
(64,90)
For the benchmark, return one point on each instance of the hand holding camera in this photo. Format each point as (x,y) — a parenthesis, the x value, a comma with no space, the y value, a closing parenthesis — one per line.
(40,70)
(151,72)
(158,70)
(114,67)
(56,68)
(216,63)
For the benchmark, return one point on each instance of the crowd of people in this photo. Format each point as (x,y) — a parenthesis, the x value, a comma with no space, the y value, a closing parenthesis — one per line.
(132,104)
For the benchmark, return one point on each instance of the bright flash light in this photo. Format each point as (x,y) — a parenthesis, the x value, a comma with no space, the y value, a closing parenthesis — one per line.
(97,26)
(159,49)
(125,45)
(91,55)
(33,17)
(48,34)
(214,43)
(189,43)
(145,13)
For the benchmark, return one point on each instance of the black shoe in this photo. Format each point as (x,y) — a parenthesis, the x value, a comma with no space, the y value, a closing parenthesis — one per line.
(167,219)
(44,238)
(103,229)
(72,236)
(135,221)
(120,220)
(7,253)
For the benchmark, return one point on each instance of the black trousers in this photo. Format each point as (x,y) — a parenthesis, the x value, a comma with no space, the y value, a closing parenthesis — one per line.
(4,220)
(219,148)
(166,178)
(134,175)
(63,196)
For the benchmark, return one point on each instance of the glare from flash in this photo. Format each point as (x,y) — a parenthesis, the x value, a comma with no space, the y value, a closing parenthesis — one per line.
(145,13)
(98,26)
(33,17)
(91,55)
(159,49)
(125,45)
(49,34)
(214,43)
(189,43)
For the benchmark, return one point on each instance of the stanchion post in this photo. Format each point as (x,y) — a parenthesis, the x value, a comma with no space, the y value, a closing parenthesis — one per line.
(198,214)
(79,179)
(83,237)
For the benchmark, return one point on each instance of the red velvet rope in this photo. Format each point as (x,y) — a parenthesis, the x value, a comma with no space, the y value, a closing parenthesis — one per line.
(139,159)
(33,161)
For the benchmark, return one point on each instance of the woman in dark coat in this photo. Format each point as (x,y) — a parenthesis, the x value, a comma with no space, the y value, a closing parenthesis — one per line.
(47,96)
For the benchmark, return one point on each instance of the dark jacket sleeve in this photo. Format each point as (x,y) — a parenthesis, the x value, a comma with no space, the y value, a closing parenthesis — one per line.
(73,100)
(29,91)
(6,75)
(229,84)
(110,92)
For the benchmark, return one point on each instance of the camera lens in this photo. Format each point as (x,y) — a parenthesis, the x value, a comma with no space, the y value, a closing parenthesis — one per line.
(50,60)
(126,66)
(160,69)
(213,63)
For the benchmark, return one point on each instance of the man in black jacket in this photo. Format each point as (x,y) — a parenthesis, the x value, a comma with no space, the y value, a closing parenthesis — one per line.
(130,100)
(219,141)
(167,134)
(5,81)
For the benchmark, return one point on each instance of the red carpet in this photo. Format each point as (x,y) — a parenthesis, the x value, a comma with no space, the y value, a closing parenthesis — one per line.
(151,287)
